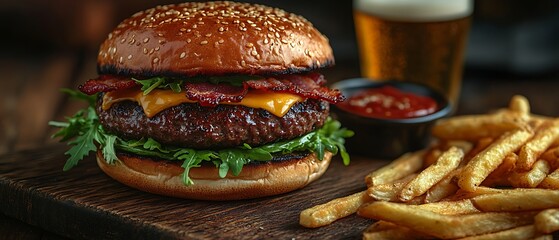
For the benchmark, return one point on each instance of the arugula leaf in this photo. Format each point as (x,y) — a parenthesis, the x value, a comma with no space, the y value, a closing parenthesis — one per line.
(82,145)
(86,132)
(109,152)
(191,158)
(150,84)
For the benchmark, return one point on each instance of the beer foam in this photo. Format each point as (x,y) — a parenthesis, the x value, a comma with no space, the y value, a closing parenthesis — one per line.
(416,10)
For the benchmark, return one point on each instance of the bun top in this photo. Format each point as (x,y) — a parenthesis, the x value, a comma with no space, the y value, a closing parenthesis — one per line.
(213,38)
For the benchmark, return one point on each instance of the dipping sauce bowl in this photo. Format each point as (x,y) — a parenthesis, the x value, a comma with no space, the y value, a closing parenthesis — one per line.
(389,118)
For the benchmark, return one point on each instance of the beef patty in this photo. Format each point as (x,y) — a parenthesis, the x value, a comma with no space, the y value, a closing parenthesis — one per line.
(193,126)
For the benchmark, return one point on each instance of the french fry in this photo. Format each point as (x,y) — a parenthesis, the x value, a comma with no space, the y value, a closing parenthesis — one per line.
(488,190)
(446,163)
(324,214)
(480,145)
(542,139)
(434,152)
(444,188)
(489,159)
(517,200)
(551,155)
(444,226)
(551,181)
(399,168)
(466,146)
(543,237)
(532,178)
(389,191)
(475,127)
(519,104)
(386,230)
(547,221)
(464,206)
(499,177)
(431,156)
(493,176)
(518,233)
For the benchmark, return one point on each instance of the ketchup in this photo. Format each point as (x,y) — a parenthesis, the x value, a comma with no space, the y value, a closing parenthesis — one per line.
(389,103)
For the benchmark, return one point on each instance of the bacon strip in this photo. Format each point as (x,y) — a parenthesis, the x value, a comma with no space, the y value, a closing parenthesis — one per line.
(301,85)
(307,86)
(106,83)
(208,94)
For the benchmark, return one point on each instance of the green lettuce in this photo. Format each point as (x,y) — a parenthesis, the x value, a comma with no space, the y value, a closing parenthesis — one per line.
(150,84)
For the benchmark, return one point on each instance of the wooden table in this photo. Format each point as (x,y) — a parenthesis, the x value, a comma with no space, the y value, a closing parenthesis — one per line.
(85,204)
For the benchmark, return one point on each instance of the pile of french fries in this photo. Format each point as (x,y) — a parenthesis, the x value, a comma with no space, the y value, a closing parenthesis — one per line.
(493,176)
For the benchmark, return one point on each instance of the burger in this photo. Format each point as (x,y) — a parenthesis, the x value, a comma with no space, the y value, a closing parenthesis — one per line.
(211,100)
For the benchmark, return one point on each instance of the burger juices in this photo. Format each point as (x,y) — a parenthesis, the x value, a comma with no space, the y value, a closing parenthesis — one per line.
(213,100)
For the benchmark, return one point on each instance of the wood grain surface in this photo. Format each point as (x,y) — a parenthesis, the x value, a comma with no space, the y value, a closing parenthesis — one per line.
(84,203)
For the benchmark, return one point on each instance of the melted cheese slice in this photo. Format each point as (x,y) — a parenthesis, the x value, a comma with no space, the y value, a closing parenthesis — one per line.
(159,100)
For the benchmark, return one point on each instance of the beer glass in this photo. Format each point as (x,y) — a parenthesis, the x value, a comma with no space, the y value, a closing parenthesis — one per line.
(414,40)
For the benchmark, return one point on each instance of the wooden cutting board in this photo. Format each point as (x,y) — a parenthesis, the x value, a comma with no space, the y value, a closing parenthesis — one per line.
(84,203)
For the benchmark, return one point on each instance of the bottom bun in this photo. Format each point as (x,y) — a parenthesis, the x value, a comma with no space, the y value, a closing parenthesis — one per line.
(255,180)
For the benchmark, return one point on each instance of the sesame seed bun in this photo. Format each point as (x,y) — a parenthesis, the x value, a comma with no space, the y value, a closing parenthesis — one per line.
(181,40)
(255,180)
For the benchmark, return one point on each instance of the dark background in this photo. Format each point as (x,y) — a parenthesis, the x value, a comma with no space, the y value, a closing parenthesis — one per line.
(515,37)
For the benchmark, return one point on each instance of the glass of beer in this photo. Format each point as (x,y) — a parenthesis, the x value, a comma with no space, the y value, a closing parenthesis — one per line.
(420,41)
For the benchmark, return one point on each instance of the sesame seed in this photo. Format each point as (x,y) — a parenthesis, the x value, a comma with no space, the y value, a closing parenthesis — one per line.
(129,56)
(243,63)
(208,35)
(221,29)
(221,41)
(183,54)
(155,60)
(203,42)
(145,51)
(182,29)
(188,40)
(146,40)
(157,48)
(123,40)
(249,45)
(120,60)
(254,53)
